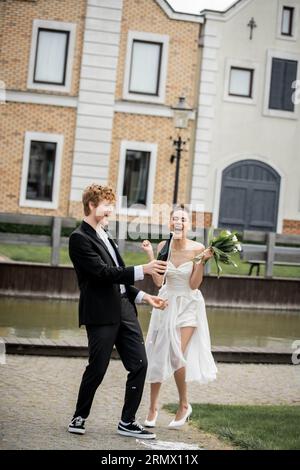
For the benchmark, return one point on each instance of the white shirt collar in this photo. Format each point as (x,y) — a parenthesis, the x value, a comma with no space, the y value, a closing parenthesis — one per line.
(101,232)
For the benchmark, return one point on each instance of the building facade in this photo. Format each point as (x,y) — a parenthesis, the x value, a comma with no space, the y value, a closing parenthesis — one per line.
(89,98)
(89,94)
(153,61)
(246,169)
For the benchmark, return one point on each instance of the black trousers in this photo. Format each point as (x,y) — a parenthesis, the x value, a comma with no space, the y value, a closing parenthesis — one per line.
(128,338)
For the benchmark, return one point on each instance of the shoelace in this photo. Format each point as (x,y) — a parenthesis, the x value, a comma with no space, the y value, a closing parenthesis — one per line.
(138,425)
(78,421)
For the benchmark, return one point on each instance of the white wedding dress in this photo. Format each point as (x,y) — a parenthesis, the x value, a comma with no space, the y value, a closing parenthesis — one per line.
(186,307)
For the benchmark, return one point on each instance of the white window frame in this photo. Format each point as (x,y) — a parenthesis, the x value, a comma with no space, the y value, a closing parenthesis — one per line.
(147,37)
(271,53)
(55,25)
(43,137)
(242,64)
(293,4)
(143,147)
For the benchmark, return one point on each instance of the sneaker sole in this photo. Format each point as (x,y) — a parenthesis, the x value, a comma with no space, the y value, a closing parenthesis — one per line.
(134,434)
(76,431)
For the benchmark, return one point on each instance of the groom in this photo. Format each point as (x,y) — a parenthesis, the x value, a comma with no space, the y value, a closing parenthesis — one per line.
(107,309)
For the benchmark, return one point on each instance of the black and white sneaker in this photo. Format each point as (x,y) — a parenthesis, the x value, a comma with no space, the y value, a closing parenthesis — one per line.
(77,425)
(134,429)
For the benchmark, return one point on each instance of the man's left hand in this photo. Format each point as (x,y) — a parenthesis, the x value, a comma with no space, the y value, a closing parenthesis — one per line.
(155,301)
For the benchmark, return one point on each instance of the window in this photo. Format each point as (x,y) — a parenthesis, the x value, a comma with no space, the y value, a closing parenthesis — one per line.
(145,67)
(51,56)
(287,21)
(241,82)
(136,177)
(41,171)
(283,74)
(41,168)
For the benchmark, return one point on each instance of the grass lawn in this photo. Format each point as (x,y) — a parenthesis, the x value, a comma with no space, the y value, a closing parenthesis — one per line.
(262,427)
(35,254)
(41,254)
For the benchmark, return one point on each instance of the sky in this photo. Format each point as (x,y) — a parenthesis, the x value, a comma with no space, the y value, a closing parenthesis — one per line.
(195,6)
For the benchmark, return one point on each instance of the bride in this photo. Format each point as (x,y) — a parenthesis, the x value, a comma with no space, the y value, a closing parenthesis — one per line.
(178,340)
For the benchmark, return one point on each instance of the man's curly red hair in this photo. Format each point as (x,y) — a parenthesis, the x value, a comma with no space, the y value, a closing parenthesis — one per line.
(96,194)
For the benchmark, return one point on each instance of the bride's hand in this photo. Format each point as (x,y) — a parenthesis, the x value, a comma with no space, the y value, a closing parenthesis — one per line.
(207,253)
(147,247)
(204,255)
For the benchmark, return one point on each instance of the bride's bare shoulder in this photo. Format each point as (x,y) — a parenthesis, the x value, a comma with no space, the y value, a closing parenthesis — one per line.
(197,247)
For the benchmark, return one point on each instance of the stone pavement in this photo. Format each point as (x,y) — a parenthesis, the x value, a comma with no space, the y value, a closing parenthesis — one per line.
(38,394)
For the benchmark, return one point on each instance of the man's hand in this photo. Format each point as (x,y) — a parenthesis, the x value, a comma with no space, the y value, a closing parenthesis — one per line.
(155,267)
(155,301)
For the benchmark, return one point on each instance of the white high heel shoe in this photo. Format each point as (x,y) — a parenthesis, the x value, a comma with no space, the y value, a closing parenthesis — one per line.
(177,424)
(152,423)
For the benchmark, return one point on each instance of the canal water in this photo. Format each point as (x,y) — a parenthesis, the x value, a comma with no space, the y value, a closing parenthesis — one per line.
(58,319)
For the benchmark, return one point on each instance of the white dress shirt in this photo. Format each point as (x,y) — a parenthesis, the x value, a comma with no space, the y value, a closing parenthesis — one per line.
(138,270)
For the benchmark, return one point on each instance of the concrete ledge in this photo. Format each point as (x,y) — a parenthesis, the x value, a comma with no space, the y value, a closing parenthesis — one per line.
(59,282)
(45,347)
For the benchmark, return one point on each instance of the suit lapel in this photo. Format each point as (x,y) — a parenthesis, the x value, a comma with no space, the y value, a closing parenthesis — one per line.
(92,235)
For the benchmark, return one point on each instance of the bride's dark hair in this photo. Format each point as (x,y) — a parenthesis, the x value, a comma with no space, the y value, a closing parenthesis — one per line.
(180,207)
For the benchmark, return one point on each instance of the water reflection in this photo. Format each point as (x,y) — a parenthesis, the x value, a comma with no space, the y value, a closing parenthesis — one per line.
(58,319)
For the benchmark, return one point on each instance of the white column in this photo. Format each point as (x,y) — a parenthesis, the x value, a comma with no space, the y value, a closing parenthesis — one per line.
(96,95)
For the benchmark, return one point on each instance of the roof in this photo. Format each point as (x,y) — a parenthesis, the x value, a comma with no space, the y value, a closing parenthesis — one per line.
(198,10)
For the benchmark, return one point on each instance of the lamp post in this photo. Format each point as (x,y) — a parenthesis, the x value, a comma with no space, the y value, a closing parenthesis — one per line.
(181,113)
(179,143)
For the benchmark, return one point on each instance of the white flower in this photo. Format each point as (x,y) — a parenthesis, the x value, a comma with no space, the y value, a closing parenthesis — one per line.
(228,232)
(234,239)
(239,247)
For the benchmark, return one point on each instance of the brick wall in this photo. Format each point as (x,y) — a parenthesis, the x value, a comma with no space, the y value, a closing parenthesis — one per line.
(291,226)
(16,29)
(16,20)
(15,120)
(147,16)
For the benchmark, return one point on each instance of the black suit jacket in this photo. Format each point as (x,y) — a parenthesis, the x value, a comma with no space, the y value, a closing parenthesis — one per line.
(99,278)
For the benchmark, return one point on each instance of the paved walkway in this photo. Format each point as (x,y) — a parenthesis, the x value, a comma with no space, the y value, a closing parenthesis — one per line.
(38,396)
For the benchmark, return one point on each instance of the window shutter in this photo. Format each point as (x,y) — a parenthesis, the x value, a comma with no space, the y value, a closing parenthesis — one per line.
(290,76)
(277,81)
(284,73)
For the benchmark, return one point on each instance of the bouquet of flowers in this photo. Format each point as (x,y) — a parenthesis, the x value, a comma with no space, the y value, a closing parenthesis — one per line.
(222,246)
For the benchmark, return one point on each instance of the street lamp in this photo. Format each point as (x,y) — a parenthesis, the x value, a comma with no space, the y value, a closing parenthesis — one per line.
(181,115)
